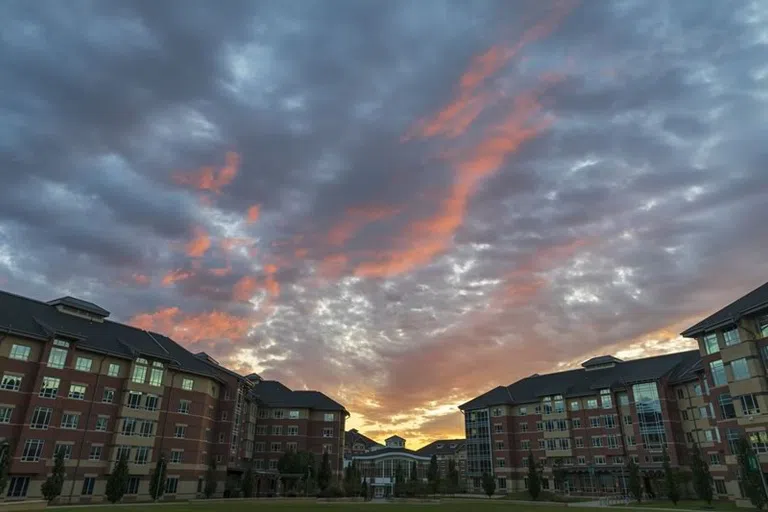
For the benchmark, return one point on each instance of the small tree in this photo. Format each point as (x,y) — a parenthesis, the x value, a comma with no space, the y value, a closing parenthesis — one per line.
(489,484)
(702,479)
(6,454)
(534,478)
(433,475)
(635,485)
(248,483)
(399,480)
(749,468)
(210,480)
(453,477)
(157,479)
(324,475)
(364,489)
(51,488)
(671,480)
(117,483)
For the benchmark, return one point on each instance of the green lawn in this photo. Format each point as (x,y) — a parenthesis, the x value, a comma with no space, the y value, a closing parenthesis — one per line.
(689,504)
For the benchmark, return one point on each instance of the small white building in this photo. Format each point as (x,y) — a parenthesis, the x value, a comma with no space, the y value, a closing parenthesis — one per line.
(378,467)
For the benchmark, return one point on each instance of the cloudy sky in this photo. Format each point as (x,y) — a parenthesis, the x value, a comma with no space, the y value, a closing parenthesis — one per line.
(399,203)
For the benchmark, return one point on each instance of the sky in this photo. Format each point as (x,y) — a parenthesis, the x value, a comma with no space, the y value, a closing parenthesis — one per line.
(402,204)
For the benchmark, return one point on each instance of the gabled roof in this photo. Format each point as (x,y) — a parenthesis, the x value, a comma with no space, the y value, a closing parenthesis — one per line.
(80,304)
(389,451)
(600,360)
(394,437)
(442,447)
(353,436)
(752,302)
(272,393)
(583,382)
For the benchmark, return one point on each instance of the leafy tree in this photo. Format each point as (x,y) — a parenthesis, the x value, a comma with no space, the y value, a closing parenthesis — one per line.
(635,484)
(6,454)
(157,479)
(702,479)
(558,473)
(210,480)
(324,475)
(352,480)
(453,477)
(248,483)
(671,480)
(489,484)
(117,483)
(51,488)
(749,468)
(399,480)
(413,488)
(534,478)
(364,489)
(433,475)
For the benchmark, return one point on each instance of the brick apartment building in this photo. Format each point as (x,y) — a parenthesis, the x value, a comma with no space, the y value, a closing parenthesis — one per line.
(71,380)
(445,450)
(582,425)
(356,443)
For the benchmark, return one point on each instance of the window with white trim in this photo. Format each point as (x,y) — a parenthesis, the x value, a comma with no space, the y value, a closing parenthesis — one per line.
(176,456)
(49,387)
(329,416)
(113,370)
(70,420)
(187,384)
(101,423)
(57,358)
(41,418)
(293,430)
(95,453)
(11,382)
(77,391)
(184,406)
(156,374)
(83,364)
(328,432)
(180,432)
(731,337)
(108,396)
(89,483)
(5,414)
(139,371)
(18,486)
(20,352)
(171,484)
(33,448)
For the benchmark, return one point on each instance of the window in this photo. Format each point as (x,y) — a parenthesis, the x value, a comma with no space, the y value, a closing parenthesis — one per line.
(617,460)
(609,421)
(261,430)
(627,419)
(101,423)
(597,441)
(41,418)
(522,411)
(263,413)
(613,441)
(187,384)
(599,460)
(156,374)
(731,337)
(697,389)
(276,447)
(20,352)
(293,414)
(605,398)
(171,484)
(108,396)
(329,416)
(714,459)
(718,373)
(123,451)
(575,405)
(88,483)
(114,370)
(278,414)
(579,442)
(129,426)
(525,465)
(77,391)
(83,364)
(623,399)
(152,402)
(759,441)
(680,393)
(277,430)
(710,343)
(176,456)
(142,455)
(720,487)
(221,437)
(576,423)
(224,416)
(684,414)
(594,422)
(139,371)
(95,453)
(292,447)
(749,404)
(134,400)
(496,411)
(184,406)
(542,444)
(133,485)
(70,420)
(523,427)
(293,430)
(5,414)
(10,382)
(559,404)
(499,445)
(592,403)
(501,462)
(273,464)
(180,431)
(497,429)
(581,460)
(49,388)
(32,450)
(703,413)
(537,409)
(502,482)
(727,410)
(631,440)
(762,326)
(525,444)
(57,357)
(327,432)
(146,428)
(689,437)
(539,427)
(18,486)
(740,369)
(259,447)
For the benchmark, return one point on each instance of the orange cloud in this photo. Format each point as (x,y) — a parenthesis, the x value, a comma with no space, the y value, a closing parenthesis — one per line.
(221,272)
(245,288)
(253,213)
(176,275)
(208,178)
(193,328)
(355,220)
(270,283)
(140,279)
(199,245)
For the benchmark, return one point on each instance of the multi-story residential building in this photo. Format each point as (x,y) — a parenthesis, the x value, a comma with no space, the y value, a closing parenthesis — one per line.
(445,450)
(378,467)
(582,425)
(72,381)
(356,443)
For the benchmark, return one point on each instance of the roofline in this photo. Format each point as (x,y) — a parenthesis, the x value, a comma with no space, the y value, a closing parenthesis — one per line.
(691,332)
(377,455)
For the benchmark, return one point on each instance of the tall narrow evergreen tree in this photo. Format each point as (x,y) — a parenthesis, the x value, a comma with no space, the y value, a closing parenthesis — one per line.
(248,482)
(6,454)
(324,475)
(51,488)
(399,480)
(210,480)
(433,475)
(749,468)
(670,479)
(117,483)
(157,479)
(702,479)
(534,478)
(453,477)
(635,485)
(489,484)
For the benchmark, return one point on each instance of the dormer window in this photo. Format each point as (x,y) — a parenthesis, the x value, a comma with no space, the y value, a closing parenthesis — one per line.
(140,371)
(156,374)
(439,446)
(57,358)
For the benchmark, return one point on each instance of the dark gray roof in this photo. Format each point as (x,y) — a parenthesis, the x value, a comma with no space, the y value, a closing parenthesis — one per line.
(354,436)
(388,451)
(442,447)
(395,437)
(80,304)
(272,393)
(40,320)
(595,361)
(582,382)
(752,302)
